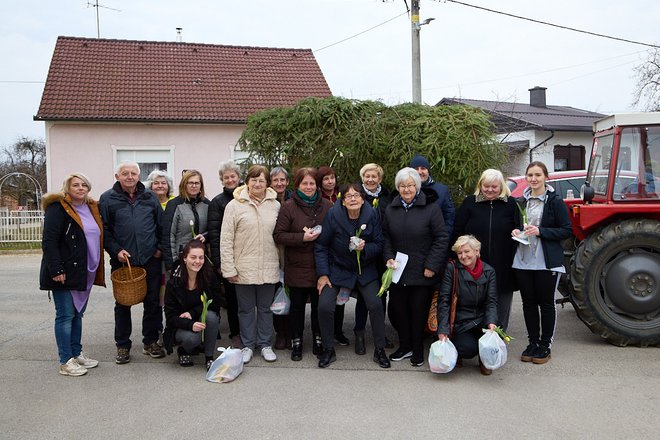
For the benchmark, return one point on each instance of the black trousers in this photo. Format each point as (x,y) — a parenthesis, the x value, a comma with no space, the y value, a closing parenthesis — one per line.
(537,289)
(232,308)
(409,309)
(327,304)
(361,311)
(299,296)
(467,343)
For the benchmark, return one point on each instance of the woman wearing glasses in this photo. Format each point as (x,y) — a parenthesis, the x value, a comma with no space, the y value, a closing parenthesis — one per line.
(347,253)
(413,225)
(185,217)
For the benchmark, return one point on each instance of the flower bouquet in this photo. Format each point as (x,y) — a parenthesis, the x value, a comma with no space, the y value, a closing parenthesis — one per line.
(505,337)
(521,237)
(206,302)
(354,243)
(387,277)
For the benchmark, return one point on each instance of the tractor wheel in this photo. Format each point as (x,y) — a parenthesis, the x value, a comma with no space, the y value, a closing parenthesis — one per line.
(615,279)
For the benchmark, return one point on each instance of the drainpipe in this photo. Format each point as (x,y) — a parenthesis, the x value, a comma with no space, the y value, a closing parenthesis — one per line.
(552,134)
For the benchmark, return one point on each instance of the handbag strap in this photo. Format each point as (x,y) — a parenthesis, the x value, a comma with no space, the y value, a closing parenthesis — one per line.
(454,299)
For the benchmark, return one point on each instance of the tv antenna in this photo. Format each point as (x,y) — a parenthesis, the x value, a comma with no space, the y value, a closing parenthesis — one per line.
(96,5)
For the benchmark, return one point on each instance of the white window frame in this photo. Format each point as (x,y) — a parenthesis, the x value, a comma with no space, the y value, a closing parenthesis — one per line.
(116,149)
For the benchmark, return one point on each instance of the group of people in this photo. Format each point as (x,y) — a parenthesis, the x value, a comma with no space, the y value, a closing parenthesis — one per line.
(322,243)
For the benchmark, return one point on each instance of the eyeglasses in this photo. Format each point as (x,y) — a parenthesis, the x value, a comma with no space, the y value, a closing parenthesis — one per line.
(410,186)
(352,196)
(194,183)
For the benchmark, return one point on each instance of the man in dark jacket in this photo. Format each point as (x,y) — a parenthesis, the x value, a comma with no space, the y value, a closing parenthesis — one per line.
(132,230)
(423,167)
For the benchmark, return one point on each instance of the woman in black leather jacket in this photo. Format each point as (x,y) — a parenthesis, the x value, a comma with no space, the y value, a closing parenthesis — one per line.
(476,300)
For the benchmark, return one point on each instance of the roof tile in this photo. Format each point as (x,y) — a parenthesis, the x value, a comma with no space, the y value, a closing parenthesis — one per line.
(101,79)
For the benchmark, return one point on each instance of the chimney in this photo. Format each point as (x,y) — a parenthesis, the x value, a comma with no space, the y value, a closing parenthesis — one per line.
(537,96)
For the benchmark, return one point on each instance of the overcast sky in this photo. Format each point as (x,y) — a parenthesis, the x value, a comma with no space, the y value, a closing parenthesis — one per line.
(466,52)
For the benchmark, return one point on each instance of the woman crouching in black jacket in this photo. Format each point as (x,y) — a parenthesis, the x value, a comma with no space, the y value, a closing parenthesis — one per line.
(476,304)
(183,305)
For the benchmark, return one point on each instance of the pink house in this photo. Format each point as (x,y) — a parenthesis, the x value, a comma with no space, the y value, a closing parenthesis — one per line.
(166,105)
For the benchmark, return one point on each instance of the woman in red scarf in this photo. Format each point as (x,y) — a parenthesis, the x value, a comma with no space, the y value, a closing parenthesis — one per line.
(476,300)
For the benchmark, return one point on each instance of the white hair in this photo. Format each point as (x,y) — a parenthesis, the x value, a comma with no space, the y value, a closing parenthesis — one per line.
(227,166)
(408,173)
(155,174)
(127,164)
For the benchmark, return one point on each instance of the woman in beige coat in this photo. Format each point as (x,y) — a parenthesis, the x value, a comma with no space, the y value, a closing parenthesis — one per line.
(249,259)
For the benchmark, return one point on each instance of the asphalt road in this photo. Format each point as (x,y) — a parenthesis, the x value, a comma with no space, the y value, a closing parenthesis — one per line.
(589,390)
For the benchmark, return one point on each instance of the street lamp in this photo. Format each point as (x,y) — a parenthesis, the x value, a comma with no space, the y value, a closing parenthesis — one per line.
(416,58)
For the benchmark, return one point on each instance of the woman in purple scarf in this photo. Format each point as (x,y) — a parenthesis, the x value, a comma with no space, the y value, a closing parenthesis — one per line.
(72,262)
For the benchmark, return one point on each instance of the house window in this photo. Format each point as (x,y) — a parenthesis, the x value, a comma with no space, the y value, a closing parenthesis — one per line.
(569,157)
(148,158)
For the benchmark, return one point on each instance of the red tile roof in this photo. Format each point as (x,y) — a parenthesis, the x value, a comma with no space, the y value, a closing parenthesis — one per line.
(121,80)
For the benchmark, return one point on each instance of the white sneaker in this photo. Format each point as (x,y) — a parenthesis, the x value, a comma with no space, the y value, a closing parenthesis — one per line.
(86,362)
(247,354)
(268,354)
(72,368)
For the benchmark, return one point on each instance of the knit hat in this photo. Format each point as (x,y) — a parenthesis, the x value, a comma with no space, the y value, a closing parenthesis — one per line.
(420,161)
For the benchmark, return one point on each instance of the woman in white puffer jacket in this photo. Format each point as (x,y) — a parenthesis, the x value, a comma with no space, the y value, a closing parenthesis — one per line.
(250,260)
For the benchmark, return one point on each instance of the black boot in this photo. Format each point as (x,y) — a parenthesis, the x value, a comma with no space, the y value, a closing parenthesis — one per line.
(381,358)
(327,357)
(359,342)
(296,353)
(317,348)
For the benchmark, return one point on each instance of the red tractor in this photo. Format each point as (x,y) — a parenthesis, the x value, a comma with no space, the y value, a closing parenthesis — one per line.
(615,270)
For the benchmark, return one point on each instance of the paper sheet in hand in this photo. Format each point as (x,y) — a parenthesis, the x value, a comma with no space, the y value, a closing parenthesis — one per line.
(402,260)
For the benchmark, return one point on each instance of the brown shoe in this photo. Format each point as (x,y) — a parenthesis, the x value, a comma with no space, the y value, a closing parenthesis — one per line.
(123,356)
(153,350)
(459,363)
(485,371)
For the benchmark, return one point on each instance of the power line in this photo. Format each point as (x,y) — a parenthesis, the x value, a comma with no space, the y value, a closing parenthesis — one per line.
(360,33)
(625,40)
(522,75)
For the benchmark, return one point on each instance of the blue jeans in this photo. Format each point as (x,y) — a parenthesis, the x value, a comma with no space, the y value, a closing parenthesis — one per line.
(68,325)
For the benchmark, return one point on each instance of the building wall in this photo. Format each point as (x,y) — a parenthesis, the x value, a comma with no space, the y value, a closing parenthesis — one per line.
(545,152)
(95,149)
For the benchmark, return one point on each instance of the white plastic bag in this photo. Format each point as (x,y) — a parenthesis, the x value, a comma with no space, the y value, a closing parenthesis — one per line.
(281,303)
(227,367)
(492,350)
(442,356)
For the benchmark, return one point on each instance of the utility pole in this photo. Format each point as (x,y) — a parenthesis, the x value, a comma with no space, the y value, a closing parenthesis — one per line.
(416,58)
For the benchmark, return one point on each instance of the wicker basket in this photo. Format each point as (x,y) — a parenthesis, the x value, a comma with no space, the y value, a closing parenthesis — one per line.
(129,284)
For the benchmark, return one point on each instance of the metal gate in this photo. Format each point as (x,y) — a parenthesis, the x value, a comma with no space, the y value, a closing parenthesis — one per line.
(21,226)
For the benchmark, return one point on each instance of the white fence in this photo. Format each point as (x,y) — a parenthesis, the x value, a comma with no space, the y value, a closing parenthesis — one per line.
(21,226)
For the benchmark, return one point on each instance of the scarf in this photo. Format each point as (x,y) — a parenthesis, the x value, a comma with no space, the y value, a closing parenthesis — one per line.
(310,201)
(407,206)
(429,181)
(477,271)
(373,194)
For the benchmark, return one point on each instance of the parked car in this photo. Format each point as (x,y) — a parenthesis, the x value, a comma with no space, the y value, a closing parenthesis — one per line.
(561,181)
